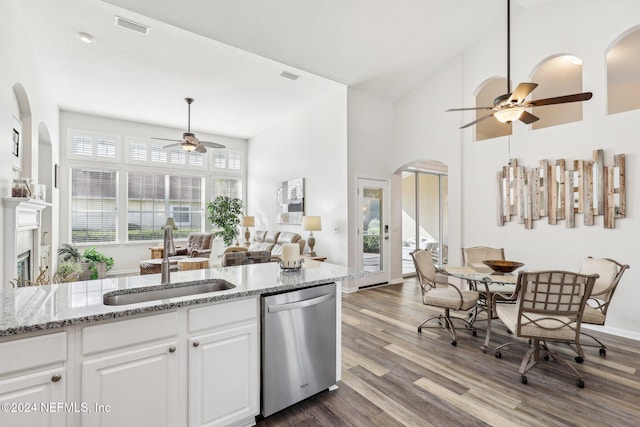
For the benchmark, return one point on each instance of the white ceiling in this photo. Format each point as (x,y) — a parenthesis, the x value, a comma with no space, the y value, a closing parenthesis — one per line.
(228,54)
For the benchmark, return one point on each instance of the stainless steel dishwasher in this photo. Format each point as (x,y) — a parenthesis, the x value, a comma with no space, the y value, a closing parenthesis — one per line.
(298,346)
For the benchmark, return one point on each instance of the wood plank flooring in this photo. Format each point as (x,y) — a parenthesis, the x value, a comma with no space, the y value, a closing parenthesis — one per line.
(393,376)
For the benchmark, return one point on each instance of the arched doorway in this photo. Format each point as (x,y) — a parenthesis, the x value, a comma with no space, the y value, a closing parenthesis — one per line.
(424,211)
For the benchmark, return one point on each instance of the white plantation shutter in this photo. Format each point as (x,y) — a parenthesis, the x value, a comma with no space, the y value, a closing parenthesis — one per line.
(158,154)
(138,152)
(82,145)
(94,205)
(234,161)
(106,148)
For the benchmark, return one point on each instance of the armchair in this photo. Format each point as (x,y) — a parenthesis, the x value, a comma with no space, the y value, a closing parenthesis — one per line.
(548,307)
(595,312)
(440,294)
(198,245)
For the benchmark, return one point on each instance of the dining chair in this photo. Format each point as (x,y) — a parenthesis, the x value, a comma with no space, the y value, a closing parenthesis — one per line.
(474,256)
(609,274)
(549,306)
(438,292)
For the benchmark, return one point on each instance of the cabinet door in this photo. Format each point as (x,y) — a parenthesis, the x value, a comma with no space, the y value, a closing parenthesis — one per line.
(30,397)
(139,386)
(224,376)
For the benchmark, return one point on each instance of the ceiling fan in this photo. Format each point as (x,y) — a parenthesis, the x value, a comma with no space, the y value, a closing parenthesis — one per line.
(189,142)
(512,105)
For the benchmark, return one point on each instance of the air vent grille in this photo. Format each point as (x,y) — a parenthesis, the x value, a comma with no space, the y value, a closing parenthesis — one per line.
(126,23)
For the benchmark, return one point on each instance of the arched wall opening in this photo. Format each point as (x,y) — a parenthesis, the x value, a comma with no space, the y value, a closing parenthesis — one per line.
(623,73)
(23,165)
(557,75)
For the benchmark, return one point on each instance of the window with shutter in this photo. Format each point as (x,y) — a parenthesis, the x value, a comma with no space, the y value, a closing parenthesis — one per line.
(151,198)
(94,205)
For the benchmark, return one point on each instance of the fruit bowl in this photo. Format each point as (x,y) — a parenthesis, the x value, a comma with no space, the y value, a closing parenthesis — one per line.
(502,266)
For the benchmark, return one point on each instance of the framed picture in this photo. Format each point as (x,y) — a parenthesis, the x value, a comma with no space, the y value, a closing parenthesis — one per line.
(290,196)
(16,143)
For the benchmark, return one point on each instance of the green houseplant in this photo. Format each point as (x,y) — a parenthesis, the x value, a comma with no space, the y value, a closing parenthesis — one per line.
(97,263)
(224,213)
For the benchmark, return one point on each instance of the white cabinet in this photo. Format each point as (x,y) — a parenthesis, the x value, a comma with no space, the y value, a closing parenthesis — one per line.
(130,372)
(132,388)
(33,380)
(224,375)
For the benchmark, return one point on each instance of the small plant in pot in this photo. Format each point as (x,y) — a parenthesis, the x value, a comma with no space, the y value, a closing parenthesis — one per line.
(68,271)
(97,264)
(225,212)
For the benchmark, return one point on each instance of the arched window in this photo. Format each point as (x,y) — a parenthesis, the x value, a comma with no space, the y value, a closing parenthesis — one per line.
(557,76)
(490,128)
(623,73)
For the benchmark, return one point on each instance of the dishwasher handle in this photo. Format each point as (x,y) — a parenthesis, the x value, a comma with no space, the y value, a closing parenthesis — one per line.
(300,304)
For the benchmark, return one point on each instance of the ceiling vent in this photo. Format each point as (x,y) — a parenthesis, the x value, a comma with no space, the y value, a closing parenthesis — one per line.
(125,23)
(288,75)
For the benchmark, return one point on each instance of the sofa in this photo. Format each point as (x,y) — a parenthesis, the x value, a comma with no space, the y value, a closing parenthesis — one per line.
(245,257)
(272,241)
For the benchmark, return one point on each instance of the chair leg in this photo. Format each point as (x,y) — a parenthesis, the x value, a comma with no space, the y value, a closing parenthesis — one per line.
(445,321)
(532,357)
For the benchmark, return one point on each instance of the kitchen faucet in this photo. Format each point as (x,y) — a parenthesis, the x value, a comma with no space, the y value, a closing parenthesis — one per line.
(169,249)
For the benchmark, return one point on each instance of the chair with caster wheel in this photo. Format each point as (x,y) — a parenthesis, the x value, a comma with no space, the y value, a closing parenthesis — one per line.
(549,306)
(609,273)
(438,292)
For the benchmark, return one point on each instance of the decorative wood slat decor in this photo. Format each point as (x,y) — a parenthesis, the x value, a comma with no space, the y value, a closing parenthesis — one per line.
(559,193)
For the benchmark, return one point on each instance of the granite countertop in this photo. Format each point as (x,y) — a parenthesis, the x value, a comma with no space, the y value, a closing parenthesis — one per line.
(36,308)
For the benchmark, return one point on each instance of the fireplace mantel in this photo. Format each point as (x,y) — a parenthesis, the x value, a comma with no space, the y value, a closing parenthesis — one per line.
(21,214)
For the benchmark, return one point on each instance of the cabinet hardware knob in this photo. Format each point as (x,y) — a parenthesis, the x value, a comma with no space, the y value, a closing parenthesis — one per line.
(196,343)
(56,378)
(172,349)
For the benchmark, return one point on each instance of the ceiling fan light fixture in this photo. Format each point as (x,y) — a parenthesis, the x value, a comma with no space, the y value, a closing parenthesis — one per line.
(508,115)
(188,147)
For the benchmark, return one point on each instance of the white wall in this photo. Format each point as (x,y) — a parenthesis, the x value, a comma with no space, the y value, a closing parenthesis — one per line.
(20,66)
(422,128)
(311,145)
(127,256)
(370,131)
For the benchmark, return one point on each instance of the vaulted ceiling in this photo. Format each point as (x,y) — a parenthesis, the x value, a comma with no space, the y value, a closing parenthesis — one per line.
(228,54)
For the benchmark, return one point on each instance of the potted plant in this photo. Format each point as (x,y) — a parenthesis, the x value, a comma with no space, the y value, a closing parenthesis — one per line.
(68,252)
(68,271)
(97,264)
(225,212)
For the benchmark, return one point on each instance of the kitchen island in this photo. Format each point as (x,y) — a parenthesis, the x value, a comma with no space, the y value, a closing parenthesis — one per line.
(188,360)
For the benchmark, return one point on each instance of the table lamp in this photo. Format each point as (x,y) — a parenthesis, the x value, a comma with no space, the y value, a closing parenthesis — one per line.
(311,224)
(246,222)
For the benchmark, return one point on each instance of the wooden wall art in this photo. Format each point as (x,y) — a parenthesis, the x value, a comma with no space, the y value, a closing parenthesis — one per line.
(561,190)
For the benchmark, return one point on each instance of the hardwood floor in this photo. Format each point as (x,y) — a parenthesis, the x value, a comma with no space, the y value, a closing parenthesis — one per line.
(393,376)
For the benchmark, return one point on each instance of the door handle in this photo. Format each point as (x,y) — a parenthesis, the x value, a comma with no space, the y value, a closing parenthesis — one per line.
(300,304)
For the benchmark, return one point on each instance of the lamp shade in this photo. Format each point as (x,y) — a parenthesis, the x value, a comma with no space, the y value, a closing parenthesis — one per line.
(247,221)
(311,223)
(170,223)
(509,114)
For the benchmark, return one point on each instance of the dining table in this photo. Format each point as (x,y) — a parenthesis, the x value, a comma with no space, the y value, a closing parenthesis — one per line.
(487,282)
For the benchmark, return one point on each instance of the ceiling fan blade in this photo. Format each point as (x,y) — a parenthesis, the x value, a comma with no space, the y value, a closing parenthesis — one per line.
(468,109)
(212,144)
(177,144)
(476,121)
(528,118)
(560,99)
(200,148)
(165,139)
(522,91)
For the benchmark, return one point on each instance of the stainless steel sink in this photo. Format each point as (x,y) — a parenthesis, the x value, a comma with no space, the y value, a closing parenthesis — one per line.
(125,297)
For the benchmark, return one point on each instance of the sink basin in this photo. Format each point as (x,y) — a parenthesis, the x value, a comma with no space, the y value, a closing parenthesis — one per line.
(158,292)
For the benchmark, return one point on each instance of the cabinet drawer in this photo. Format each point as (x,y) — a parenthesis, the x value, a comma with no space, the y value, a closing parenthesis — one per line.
(223,313)
(124,333)
(33,352)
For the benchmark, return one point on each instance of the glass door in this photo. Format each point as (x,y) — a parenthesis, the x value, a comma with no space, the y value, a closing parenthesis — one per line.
(373,231)
(424,213)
